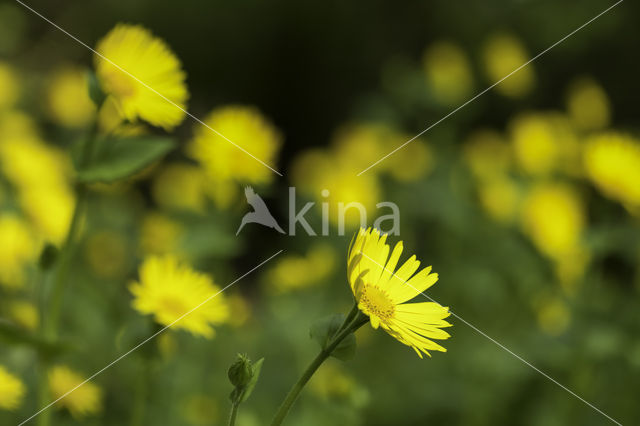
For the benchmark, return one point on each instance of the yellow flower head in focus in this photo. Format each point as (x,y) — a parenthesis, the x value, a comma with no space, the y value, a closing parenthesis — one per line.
(18,248)
(543,143)
(169,290)
(612,163)
(448,72)
(9,86)
(83,401)
(12,390)
(381,292)
(25,314)
(248,129)
(588,105)
(135,50)
(553,215)
(68,98)
(503,54)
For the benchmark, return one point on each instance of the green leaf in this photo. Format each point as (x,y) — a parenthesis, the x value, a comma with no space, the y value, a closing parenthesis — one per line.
(118,159)
(257,367)
(325,329)
(95,91)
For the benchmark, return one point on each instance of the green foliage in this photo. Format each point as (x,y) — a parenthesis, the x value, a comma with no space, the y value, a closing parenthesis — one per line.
(324,330)
(243,374)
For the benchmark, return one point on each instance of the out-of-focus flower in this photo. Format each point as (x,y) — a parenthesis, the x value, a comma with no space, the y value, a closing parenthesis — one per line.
(160,234)
(588,105)
(85,400)
(553,315)
(612,163)
(294,272)
(553,215)
(503,54)
(240,308)
(336,185)
(180,186)
(543,143)
(381,292)
(12,390)
(18,248)
(107,254)
(201,410)
(68,98)
(170,290)
(25,314)
(9,86)
(448,72)
(135,50)
(487,154)
(331,382)
(500,198)
(248,129)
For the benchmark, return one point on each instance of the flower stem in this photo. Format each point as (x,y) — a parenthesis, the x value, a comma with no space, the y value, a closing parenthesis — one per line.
(234,413)
(354,321)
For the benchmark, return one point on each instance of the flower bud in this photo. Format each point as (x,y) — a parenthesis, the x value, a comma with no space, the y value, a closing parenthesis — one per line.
(240,372)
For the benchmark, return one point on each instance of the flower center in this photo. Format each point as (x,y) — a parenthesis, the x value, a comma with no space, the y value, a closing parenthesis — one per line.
(172,307)
(375,301)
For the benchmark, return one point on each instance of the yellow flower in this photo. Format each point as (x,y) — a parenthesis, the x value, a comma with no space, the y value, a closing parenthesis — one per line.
(18,248)
(487,154)
(543,143)
(553,215)
(68,98)
(612,163)
(169,289)
(25,314)
(135,50)
(180,186)
(588,105)
(553,315)
(82,401)
(12,390)
(248,129)
(381,293)
(294,272)
(503,54)
(448,72)
(107,254)
(160,234)
(499,196)
(9,86)
(201,410)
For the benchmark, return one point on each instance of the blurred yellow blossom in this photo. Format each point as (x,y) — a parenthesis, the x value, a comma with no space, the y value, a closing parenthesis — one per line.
(612,163)
(16,125)
(107,254)
(12,390)
(502,54)
(175,295)
(500,198)
(588,105)
(160,234)
(135,50)
(180,186)
(553,215)
(18,248)
(331,382)
(553,315)
(9,86)
(201,410)
(25,314)
(85,400)
(487,154)
(448,72)
(293,272)
(249,130)
(240,308)
(544,142)
(68,98)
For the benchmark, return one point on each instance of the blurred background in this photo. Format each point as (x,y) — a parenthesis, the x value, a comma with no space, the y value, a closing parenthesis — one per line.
(526,202)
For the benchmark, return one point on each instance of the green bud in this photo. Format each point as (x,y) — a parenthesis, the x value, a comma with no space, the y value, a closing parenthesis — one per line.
(240,372)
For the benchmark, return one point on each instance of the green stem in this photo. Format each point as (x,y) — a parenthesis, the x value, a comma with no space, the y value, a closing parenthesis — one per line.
(234,413)
(140,396)
(357,320)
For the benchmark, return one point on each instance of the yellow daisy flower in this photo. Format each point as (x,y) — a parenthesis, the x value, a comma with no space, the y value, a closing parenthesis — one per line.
(134,49)
(170,290)
(83,400)
(12,390)
(381,293)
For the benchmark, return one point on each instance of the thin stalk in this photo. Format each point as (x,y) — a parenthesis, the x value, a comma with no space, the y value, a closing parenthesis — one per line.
(234,413)
(357,321)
